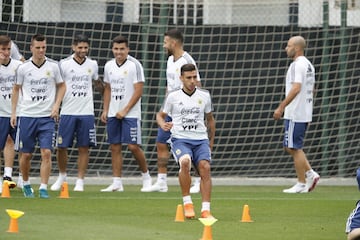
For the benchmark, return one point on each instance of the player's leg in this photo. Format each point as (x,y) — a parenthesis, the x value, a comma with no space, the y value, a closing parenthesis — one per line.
(9,156)
(131,134)
(46,135)
(202,158)
(113,128)
(65,138)
(86,137)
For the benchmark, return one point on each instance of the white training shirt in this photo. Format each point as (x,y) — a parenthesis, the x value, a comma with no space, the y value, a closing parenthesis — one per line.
(188,113)
(301,107)
(78,99)
(173,70)
(38,91)
(122,79)
(7,81)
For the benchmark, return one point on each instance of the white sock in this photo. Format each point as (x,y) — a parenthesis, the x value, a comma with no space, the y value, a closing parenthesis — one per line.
(63,176)
(162,177)
(26,182)
(117,182)
(309,173)
(80,181)
(146,175)
(205,206)
(187,199)
(43,186)
(8,171)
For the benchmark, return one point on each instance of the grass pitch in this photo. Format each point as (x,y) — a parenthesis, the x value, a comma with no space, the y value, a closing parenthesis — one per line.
(132,215)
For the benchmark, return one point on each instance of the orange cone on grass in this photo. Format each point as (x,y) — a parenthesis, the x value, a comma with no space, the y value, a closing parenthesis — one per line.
(14,215)
(64,193)
(179,217)
(207,232)
(246,214)
(5,190)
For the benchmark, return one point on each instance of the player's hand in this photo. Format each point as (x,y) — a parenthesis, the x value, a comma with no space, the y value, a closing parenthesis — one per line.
(167,126)
(103,117)
(13,121)
(121,114)
(278,113)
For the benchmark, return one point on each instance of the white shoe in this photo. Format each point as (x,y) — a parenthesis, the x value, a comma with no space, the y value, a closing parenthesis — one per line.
(79,187)
(157,187)
(113,188)
(312,181)
(57,185)
(297,188)
(195,188)
(146,184)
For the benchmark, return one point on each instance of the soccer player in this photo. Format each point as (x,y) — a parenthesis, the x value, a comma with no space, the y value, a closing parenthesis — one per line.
(297,108)
(7,134)
(191,139)
(352,228)
(42,88)
(77,111)
(15,53)
(173,44)
(124,80)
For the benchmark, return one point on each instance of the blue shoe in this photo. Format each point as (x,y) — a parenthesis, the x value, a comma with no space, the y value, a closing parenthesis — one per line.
(43,193)
(358,177)
(28,191)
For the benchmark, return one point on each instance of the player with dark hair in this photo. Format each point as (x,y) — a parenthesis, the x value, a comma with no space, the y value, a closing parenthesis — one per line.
(192,136)
(173,44)
(42,88)
(124,81)
(77,118)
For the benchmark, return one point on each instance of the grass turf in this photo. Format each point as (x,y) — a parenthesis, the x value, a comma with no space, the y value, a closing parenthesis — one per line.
(148,216)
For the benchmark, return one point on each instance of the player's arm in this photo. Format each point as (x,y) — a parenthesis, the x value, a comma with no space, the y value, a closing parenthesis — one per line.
(295,89)
(210,123)
(14,102)
(138,91)
(99,86)
(160,119)
(60,92)
(107,94)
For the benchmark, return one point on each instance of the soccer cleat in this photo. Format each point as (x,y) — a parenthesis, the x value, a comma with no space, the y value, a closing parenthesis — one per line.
(206,214)
(189,210)
(113,188)
(157,187)
(79,186)
(43,193)
(297,188)
(57,185)
(9,181)
(312,181)
(146,184)
(28,191)
(195,188)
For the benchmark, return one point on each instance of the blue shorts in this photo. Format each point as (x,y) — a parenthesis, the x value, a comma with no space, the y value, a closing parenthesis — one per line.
(6,130)
(82,126)
(294,133)
(31,130)
(353,220)
(126,130)
(197,149)
(164,136)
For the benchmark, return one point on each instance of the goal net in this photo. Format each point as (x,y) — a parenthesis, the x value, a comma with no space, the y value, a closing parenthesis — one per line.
(239,48)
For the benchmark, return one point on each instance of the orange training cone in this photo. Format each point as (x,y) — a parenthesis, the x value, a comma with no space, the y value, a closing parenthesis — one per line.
(64,193)
(14,215)
(207,233)
(5,190)
(246,214)
(179,214)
